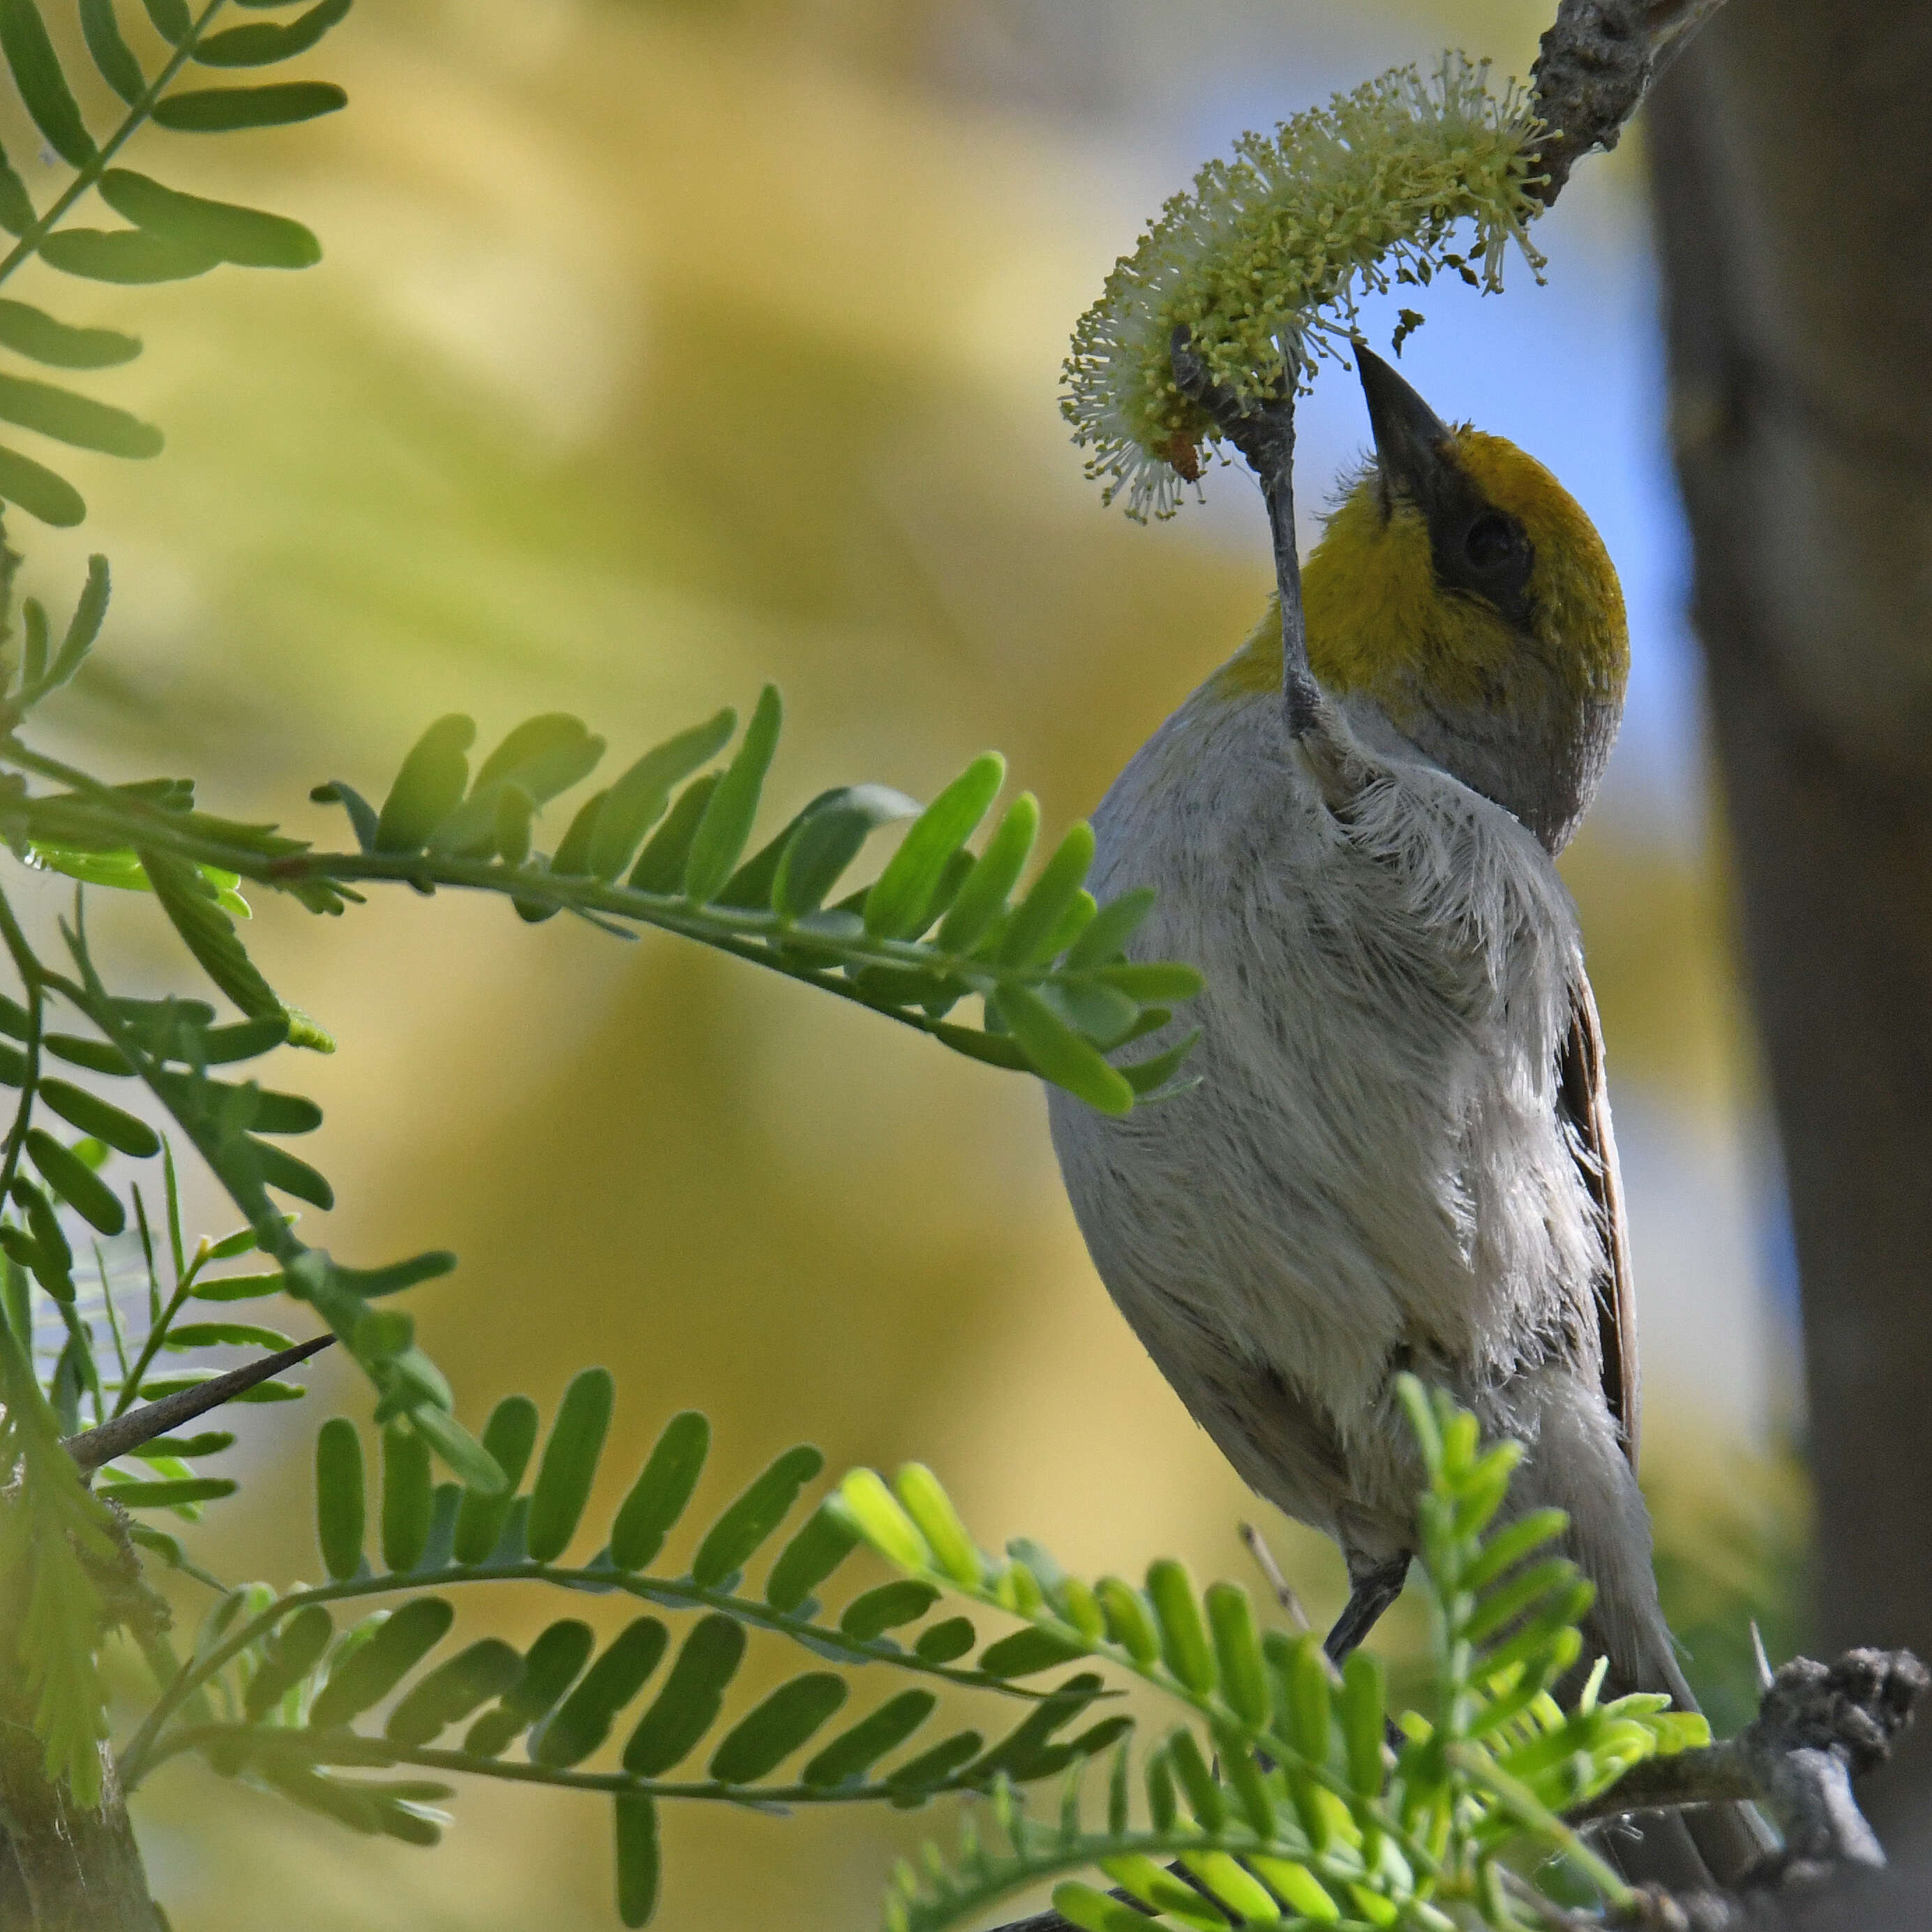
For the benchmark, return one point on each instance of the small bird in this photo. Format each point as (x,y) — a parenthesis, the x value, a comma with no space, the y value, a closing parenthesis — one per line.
(1399,1154)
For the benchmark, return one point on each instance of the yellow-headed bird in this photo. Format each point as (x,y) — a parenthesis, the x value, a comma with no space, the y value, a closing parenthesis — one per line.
(1399,1155)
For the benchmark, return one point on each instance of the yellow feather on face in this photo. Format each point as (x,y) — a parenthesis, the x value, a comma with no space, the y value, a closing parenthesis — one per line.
(1381,623)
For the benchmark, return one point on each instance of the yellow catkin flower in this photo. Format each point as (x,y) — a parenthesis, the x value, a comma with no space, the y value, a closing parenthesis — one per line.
(1265,259)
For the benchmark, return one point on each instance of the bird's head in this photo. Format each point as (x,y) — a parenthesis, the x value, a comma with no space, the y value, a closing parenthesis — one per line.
(1460,587)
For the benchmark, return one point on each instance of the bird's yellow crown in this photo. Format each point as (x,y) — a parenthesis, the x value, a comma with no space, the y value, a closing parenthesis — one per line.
(1382,622)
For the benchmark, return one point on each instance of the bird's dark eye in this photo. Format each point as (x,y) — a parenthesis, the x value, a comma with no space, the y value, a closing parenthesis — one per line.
(1490,542)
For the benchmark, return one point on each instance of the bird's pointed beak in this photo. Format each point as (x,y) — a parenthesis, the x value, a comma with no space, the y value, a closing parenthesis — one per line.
(1413,445)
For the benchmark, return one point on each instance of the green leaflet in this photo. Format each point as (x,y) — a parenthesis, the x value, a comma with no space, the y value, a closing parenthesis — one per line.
(192,908)
(856,1750)
(38,490)
(944,1642)
(754,1516)
(636,802)
(112,55)
(375,1670)
(37,73)
(871,1615)
(89,614)
(245,236)
(263,43)
(104,1121)
(1033,923)
(224,1334)
(1238,1651)
(16,207)
(569,1463)
(296,1650)
(508,1438)
(693,1694)
(660,866)
(1058,1053)
(829,839)
(583,1721)
(637,1856)
(429,786)
(720,834)
(340,1499)
(223,110)
(1027,1651)
(825,1542)
(448,1694)
(168,1493)
(657,1498)
(897,906)
(1183,1642)
(783,1723)
(280,1169)
(465,1457)
(128,255)
(171,19)
(76,1182)
(406,1498)
(981,896)
(550,1668)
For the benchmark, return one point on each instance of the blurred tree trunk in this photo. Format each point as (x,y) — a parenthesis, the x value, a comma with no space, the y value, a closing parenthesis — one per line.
(1793,173)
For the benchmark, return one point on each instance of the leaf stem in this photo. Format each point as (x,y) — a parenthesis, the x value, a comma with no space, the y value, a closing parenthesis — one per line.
(140,1756)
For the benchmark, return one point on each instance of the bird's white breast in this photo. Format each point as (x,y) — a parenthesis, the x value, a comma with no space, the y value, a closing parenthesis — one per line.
(1372,1170)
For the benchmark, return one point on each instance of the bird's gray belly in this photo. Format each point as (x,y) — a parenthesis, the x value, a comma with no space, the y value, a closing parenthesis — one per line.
(1370,1174)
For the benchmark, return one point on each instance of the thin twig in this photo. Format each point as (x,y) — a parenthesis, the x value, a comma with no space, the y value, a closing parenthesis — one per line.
(1284,1591)
(93,1446)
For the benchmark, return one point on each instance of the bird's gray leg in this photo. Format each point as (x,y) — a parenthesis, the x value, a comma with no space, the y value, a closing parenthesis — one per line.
(1374,1590)
(1264,432)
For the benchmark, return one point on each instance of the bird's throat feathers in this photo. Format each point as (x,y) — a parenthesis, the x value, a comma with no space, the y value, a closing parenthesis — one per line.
(1538,688)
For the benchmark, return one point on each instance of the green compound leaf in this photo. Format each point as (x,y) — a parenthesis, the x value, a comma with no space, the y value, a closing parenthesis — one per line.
(755,1515)
(341,1497)
(406,1501)
(508,1437)
(376,1668)
(37,73)
(244,236)
(261,44)
(225,110)
(638,1859)
(39,491)
(486,1669)
(569,1464)
(688,1706)
(583,1721)
(129,257)
(658,1497)
(784,1722)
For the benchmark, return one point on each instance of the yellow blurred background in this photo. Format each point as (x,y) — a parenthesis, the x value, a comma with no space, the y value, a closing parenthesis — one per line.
(660,348)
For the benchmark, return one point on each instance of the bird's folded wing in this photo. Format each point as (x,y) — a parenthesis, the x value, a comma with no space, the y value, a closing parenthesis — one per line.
(1585,1099)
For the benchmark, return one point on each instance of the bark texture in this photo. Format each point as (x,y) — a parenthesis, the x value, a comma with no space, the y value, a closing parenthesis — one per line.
(62,1868)
(1792,177)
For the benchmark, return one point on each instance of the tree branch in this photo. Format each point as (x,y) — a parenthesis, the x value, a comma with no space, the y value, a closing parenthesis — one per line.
(1596,63)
